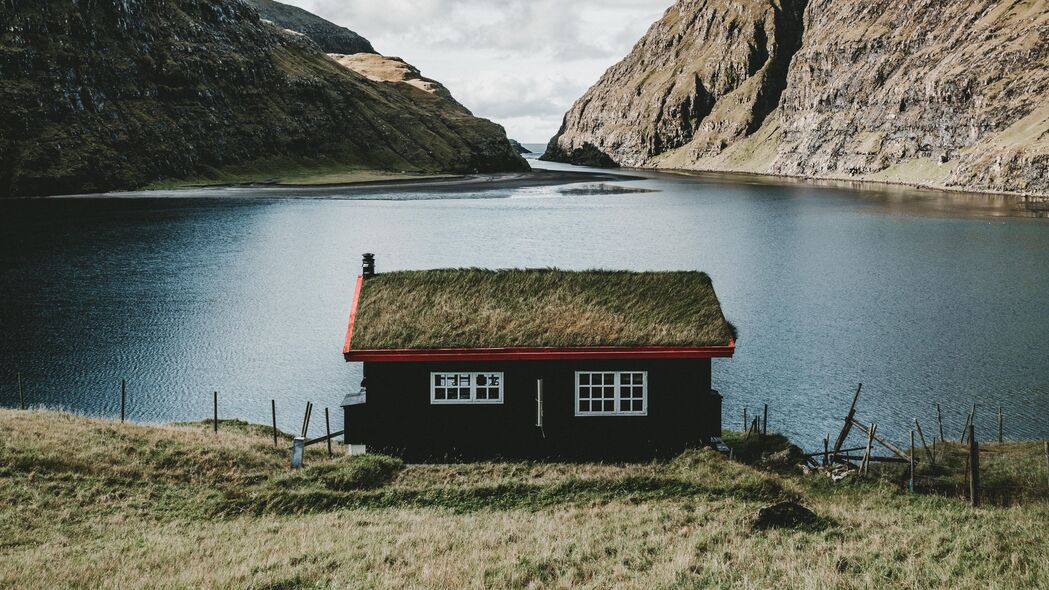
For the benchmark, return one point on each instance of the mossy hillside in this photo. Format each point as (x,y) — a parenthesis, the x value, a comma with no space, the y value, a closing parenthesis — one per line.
(112,95)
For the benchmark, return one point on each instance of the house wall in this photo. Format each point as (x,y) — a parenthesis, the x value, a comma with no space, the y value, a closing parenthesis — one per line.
(399,419)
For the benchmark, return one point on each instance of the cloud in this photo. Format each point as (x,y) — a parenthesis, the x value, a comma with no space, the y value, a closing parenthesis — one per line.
(507,95)
(521,63)
(578,29)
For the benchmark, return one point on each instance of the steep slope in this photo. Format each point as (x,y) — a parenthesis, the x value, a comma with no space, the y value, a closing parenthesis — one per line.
(932,92)
(117,94)
(381,68)
(329,36)
(706,74)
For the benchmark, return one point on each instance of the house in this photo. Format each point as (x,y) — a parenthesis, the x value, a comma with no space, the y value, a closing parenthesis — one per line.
(529,364)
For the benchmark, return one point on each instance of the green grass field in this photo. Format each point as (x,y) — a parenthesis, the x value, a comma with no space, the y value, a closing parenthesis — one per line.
(95,504)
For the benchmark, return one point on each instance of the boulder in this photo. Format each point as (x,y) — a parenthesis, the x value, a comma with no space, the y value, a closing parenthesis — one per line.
(788,515)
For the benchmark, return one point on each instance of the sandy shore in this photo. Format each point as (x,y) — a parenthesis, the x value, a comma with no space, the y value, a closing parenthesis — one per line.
(470,183)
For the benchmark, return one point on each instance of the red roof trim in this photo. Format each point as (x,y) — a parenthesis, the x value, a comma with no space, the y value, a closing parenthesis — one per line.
(534,354)
(353,315)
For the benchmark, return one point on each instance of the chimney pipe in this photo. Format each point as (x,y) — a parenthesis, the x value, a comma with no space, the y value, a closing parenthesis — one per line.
(368,266)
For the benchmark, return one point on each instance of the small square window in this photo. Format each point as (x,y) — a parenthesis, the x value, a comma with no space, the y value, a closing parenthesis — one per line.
(609,393)
(466,388)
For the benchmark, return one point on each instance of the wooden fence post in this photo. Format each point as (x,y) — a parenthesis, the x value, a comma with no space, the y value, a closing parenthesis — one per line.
(273,408)
(921,436)
(21,394)
(939,420)
(215,407)
(306,419)
(826,450)
(1047,460)
(864,465)
(911,485)
(327,431)
(1000,439)
(968,423)
(123,398)
(765,421)
(974,468)
(746,423)
(844,434)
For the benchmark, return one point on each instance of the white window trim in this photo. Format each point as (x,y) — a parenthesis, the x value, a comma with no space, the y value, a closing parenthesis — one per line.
(617,398)
(473,388)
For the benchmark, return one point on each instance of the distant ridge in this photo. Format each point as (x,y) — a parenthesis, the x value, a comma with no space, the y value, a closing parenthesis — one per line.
(329,36)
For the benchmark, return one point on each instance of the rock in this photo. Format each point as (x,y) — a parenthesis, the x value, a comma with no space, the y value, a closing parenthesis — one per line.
(789,515)
(330,37)
(933,92)
(193,89)
(787,458)
(519,148)
(585,155)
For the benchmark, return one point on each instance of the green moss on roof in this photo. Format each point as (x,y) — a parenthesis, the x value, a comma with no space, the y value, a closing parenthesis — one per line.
(476,308)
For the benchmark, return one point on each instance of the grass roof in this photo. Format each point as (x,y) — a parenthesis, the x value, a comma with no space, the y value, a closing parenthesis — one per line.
(476,308)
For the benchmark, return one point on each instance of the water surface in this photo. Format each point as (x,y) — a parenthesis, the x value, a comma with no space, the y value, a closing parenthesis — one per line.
(924,297)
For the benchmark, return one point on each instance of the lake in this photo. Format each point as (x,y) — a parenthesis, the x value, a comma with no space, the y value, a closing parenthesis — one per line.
(924,297)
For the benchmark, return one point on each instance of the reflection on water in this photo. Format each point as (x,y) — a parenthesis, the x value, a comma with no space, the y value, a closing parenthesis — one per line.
(917,295)
(901,199)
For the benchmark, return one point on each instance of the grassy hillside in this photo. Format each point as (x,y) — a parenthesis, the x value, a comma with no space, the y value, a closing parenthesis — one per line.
(91,503)
(102,95)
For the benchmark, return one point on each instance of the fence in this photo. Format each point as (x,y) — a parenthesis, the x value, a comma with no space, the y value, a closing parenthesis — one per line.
(214,422)
(998,471)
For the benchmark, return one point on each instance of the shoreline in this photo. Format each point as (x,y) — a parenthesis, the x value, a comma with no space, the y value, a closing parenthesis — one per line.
(468,183)
(856,184)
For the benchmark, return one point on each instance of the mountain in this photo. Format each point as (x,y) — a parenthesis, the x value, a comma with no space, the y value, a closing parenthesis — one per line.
(101,95)
(931,92)
(330,37)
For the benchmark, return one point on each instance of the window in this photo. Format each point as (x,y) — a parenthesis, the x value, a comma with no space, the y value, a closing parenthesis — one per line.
(611,393)
(466,388)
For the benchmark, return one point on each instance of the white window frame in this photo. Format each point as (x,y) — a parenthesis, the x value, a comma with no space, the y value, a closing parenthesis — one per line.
(472,376)
(617,398)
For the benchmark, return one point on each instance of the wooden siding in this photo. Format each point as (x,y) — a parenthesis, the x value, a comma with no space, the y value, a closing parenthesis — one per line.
(399,419)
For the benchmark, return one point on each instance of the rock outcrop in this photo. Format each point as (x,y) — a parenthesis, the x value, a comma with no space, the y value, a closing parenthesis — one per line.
(519,148)
(329,36)
(103,95)
(932,92)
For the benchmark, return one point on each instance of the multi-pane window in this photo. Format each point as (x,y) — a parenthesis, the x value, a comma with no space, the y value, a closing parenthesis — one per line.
(466,388)
(611,393)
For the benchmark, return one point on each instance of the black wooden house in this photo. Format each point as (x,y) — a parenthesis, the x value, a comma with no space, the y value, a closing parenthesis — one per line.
(471,363)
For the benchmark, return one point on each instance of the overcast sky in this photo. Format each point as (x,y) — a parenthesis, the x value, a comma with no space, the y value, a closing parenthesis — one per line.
(521,63)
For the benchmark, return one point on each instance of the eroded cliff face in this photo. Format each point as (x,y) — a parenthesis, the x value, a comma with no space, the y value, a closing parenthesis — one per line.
(100,95)
(705,75)
(931,92)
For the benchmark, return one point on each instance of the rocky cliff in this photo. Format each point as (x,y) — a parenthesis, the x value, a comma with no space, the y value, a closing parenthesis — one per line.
(118,94)
(930,92)
(329,36)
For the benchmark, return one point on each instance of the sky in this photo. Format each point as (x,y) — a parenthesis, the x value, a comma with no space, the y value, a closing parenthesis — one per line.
(520,63)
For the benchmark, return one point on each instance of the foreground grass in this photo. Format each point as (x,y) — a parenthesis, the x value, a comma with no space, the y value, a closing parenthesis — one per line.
(89,503)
